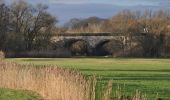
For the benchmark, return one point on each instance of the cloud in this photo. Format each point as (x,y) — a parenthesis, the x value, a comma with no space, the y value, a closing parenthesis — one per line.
(113,2)
(165,3)
(80,1)
(67,9)
(65,1)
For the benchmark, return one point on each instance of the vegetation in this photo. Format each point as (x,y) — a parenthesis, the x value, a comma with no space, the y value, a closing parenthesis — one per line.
(2,55)
(25,27)
(28,30)
(79,48)
(9,94)
(89,25)
(149,76)
(155,25)
(52,83)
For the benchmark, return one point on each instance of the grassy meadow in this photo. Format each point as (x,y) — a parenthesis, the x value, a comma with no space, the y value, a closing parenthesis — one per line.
(9,94)
(149,76)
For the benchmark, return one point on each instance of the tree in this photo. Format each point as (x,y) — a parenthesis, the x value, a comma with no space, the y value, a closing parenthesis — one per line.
(31,25)
(41,27)
(4,22)
(91,24)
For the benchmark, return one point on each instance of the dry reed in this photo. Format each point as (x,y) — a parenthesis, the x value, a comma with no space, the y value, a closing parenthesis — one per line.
(52,83)
(108,92)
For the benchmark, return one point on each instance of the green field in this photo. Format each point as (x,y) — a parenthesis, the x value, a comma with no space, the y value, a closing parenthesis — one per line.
(150,76)
(9,94)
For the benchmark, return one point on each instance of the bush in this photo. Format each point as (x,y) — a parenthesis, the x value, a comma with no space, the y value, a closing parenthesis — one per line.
(79,48)
(2,55)
(59,53)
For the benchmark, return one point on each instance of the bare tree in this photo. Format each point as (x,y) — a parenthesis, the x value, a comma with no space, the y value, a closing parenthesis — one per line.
(34,24)
(4,22)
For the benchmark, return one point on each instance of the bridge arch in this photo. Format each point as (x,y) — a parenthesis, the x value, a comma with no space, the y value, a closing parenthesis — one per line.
(108,47)
(77,46)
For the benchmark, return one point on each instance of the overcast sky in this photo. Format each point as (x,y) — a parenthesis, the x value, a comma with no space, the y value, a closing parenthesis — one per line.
(67,9)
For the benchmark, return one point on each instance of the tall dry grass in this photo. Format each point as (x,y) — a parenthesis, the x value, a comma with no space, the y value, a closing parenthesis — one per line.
(52,83)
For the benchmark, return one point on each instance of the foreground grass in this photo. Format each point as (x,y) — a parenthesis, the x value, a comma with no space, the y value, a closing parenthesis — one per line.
(51,82)
(9,94)
(150,76)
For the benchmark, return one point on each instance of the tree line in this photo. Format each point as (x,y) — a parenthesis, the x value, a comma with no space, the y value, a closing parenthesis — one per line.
(155,25)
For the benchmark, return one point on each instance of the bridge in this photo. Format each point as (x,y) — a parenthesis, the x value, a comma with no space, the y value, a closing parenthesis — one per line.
(94,42)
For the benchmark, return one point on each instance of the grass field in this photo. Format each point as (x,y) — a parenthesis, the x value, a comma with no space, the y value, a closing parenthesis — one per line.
(150,76)
(9,94)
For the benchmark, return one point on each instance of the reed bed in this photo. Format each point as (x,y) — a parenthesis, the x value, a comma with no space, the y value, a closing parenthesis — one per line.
(52,83)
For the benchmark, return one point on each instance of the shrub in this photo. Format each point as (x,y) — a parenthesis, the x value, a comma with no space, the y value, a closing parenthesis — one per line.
(2,55)
(60,53)
(79,48)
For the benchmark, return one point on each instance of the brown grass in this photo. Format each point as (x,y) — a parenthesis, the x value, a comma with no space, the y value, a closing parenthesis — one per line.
(52,83)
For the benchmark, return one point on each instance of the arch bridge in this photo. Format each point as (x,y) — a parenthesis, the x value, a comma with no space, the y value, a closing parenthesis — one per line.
(95,41)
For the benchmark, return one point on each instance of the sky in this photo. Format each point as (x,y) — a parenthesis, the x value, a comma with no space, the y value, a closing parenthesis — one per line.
(64,10)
